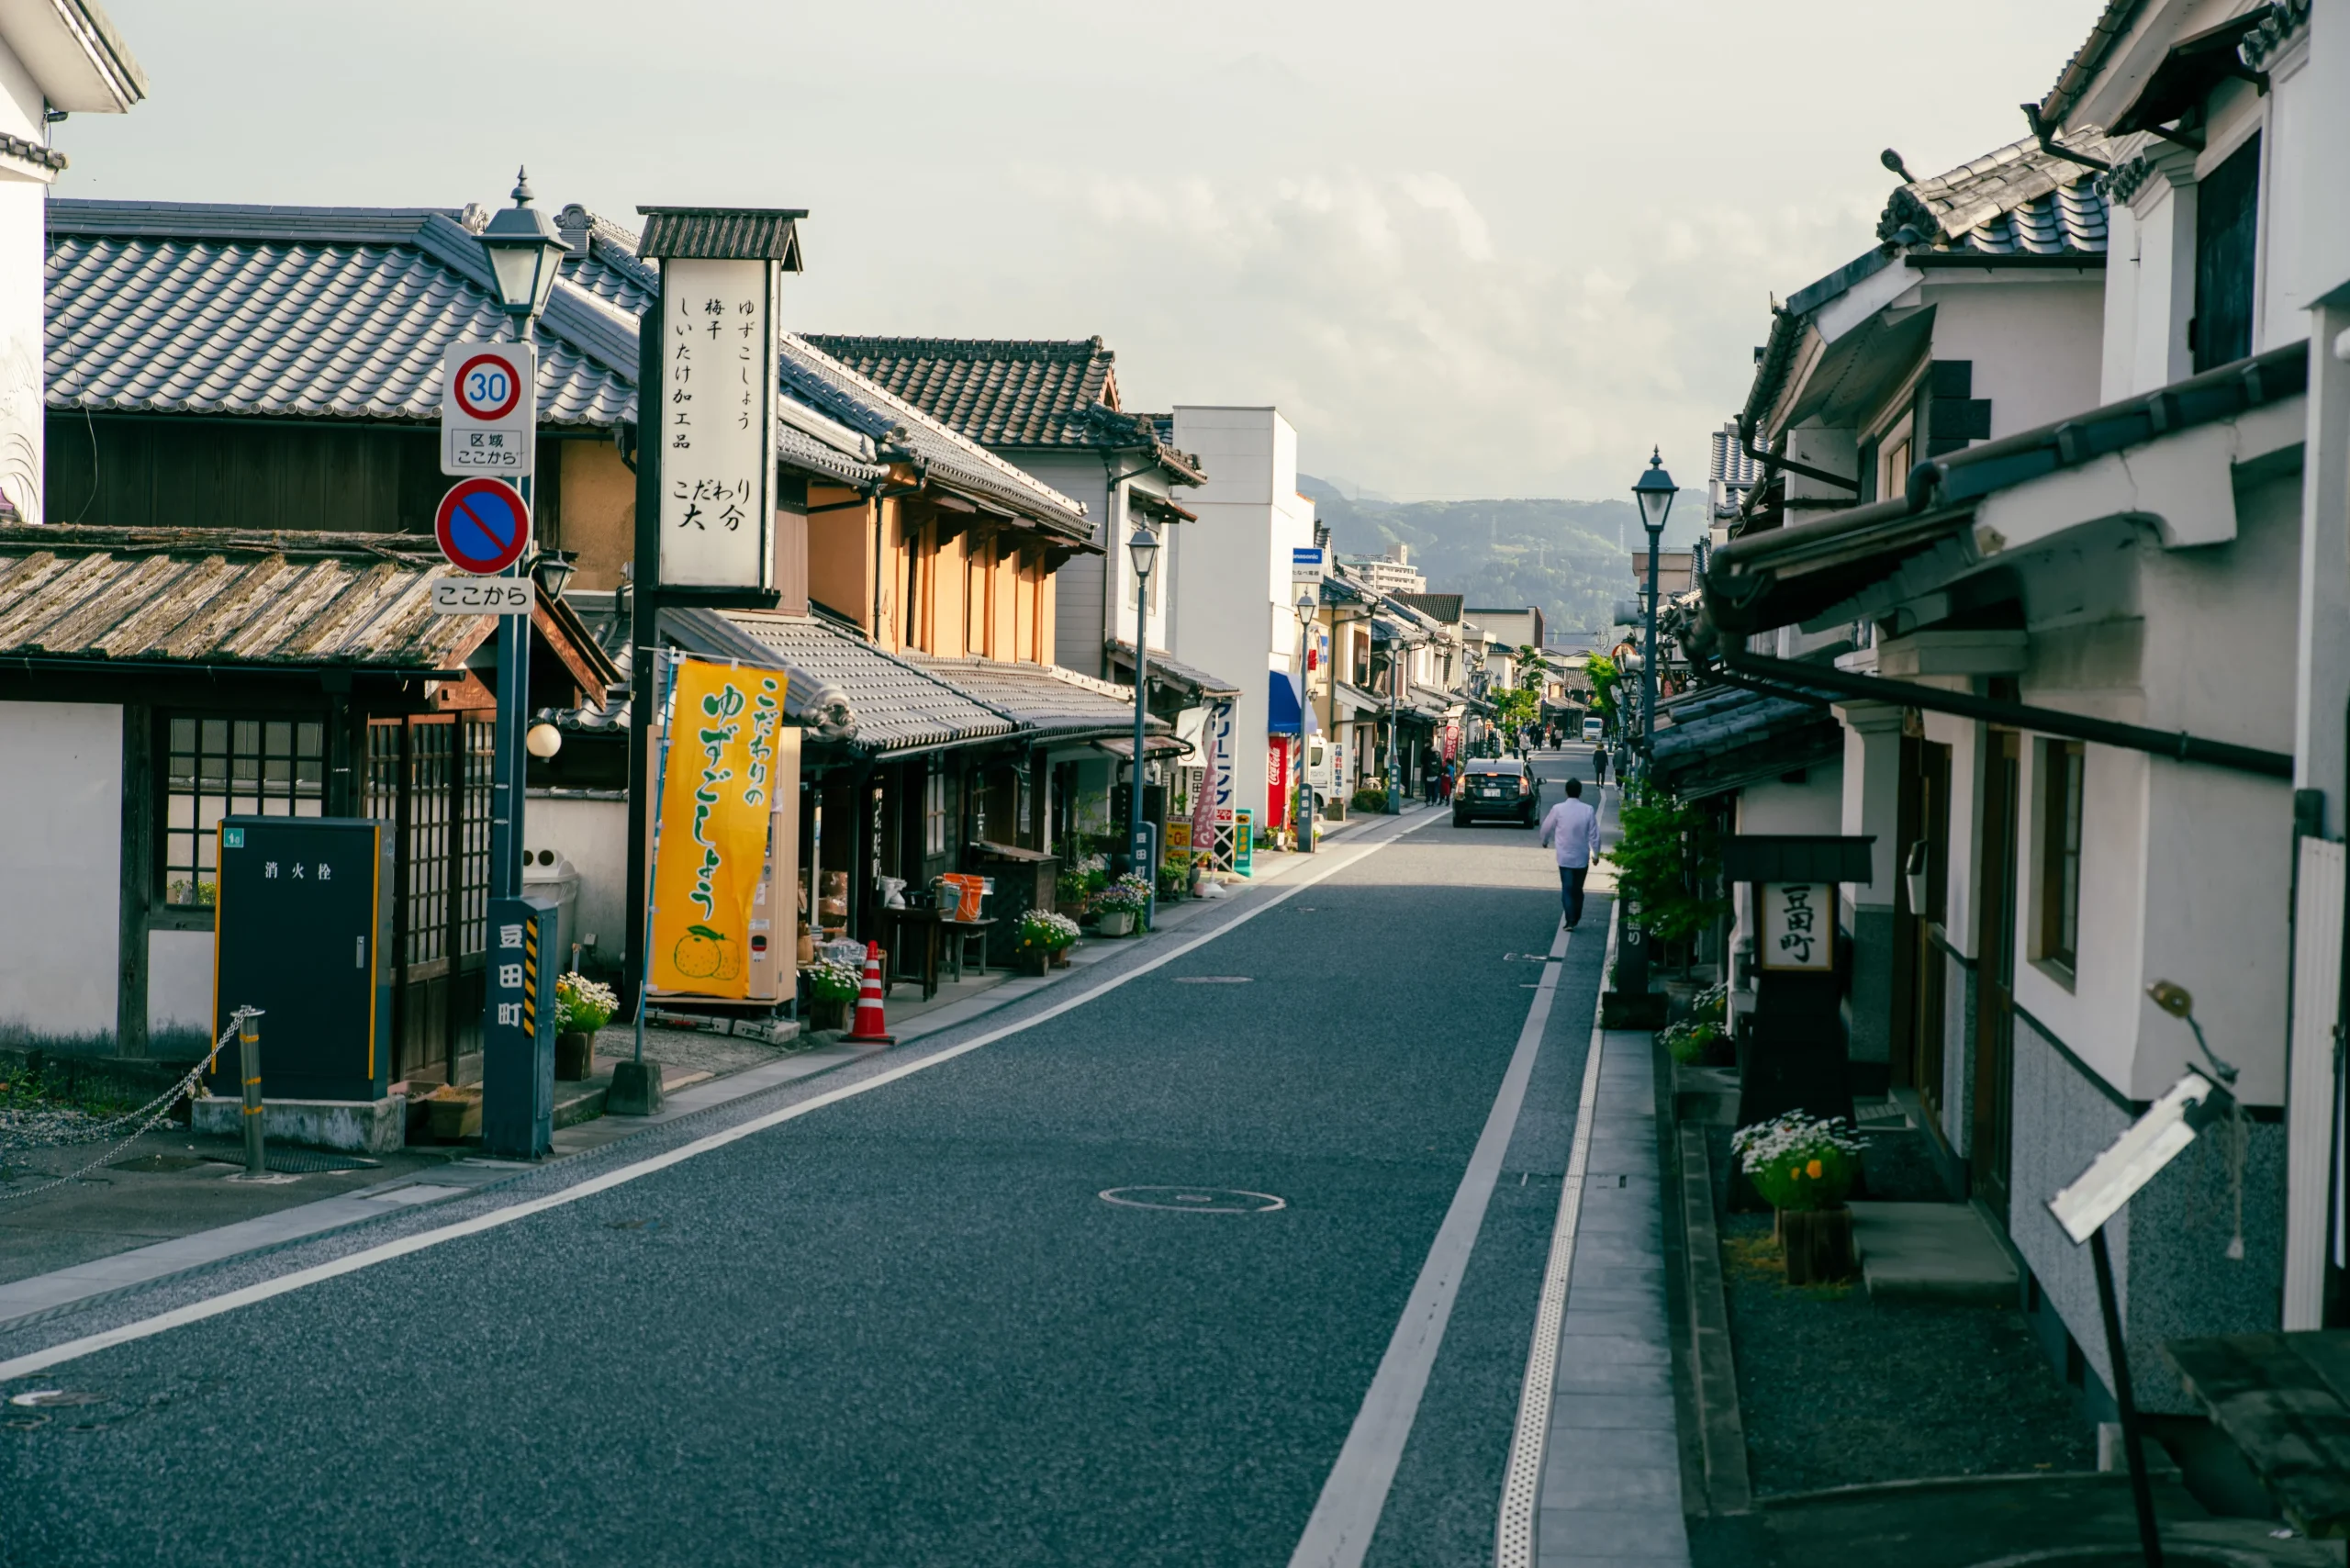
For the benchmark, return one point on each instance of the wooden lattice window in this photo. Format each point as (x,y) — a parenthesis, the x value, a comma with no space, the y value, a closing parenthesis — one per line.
(223,765)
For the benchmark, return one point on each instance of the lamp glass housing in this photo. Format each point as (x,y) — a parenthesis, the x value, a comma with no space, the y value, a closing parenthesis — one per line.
(542,741)
(1142,548)
(1306,610)
(525,254)
(1655,491)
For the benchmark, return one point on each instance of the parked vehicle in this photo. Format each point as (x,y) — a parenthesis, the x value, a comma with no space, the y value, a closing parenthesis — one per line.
(1592,728)
(1500,787)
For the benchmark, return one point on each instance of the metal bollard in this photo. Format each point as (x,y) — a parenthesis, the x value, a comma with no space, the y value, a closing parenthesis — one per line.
(248,1069)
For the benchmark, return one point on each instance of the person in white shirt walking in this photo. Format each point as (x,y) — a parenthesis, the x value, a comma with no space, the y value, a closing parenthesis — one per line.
(1572,829)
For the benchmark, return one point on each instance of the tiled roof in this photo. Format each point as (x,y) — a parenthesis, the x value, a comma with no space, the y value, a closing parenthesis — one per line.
(1043,698)
(1439,606)
(1719,738)
(321,312)
(866,697)
(1122,654)
(2016,201)
(31,153)
(840,393)
(208,595)
(1010,392)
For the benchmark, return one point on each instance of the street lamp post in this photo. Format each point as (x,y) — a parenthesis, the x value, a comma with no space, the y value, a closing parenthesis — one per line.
(1654,491)
(1142,548)
(1302,816)
(525,252)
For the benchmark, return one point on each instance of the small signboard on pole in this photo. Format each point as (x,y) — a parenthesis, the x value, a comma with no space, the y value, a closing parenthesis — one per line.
(484,596)
(716,423)
(1307,565)
(488,417)
(1798,925)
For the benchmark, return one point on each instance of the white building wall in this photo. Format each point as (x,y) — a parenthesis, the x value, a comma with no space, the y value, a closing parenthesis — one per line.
(2319,117)
(22,250)
(60,866)
(2036,344)
(1231,613)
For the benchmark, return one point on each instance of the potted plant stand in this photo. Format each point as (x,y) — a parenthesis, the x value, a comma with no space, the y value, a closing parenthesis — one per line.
(575,1056)
(1818,1244)
(1117,922)
(1034,961)
(829,1011)
(455,1113)
(1058,958)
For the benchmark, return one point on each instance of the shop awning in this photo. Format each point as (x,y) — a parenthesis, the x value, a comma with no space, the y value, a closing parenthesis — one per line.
(1282,715)
(1153,745)
(1355,700)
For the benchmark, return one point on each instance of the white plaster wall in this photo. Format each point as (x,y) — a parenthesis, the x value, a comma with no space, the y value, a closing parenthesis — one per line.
(1964,738)
(593,836)
(1231,584)
(2284,149)
(2117,328)
(2164,297)
(60,866)
(22,252)
(1815,805)
(2318,123)
(179,982)
(2037,345)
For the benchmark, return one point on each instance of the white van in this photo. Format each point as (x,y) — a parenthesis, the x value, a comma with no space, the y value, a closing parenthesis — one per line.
(1593,727)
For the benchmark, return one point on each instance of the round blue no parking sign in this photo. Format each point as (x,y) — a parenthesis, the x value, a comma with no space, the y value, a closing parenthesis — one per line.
(484,525)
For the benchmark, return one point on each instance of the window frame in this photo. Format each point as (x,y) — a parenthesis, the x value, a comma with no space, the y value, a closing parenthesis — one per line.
(2062,789)
(183,848)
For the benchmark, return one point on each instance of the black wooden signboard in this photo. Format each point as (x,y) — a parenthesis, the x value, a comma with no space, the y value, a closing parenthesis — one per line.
(303,914)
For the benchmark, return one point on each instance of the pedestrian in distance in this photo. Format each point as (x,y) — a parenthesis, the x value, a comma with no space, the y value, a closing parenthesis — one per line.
(1599,765)
(1572,829)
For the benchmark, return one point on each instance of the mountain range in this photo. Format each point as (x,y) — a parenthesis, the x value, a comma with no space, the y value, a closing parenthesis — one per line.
(1571,558)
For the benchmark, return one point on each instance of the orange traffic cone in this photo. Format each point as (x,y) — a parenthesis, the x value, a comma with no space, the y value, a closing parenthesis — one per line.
(868,1028)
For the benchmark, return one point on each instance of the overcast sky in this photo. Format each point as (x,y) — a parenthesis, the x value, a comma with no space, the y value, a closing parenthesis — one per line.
(1470,249)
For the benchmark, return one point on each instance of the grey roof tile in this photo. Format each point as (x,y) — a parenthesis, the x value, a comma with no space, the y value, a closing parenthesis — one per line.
(2016,201)
(209,596)
(1043,698)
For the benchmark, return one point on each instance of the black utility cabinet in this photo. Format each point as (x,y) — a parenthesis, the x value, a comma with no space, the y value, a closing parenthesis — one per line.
(301,918)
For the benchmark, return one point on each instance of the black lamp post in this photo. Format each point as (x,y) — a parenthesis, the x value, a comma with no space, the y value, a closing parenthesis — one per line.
(1142,549)
(525,254)
(1308,607)
(1654,491)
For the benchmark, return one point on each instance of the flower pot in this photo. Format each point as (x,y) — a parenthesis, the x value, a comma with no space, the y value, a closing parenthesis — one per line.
(1819,1245)
(1059,957)
(829,1011)
(1117,922)
(575,1056)
(455,1118)
(1033,962)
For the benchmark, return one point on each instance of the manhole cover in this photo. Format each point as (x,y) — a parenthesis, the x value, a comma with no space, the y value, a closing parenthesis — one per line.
(1194,1199)
(1213,980)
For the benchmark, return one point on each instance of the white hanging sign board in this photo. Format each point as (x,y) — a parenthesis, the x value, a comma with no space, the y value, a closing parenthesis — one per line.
(714,416)
(1798,921)
(489,409)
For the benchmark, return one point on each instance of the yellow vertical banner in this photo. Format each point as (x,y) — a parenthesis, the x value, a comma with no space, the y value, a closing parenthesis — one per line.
(717,800)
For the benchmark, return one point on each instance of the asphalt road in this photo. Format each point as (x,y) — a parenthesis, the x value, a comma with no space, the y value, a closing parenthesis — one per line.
(905,1328)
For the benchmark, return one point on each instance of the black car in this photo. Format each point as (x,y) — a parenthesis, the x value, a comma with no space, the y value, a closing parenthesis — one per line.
(1497,787)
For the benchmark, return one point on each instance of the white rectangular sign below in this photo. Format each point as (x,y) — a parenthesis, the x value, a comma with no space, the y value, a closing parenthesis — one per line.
(489,409)
(484,596)
(1798,925)
(716,423)
(1306,565)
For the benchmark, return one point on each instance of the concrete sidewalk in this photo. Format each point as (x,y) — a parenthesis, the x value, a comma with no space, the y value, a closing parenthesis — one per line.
(1611,1469)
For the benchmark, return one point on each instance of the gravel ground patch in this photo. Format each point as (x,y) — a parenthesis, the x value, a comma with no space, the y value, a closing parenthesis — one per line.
(1838,1390)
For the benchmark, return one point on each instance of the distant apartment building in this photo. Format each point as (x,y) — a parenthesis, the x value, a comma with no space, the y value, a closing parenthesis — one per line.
(1390,572)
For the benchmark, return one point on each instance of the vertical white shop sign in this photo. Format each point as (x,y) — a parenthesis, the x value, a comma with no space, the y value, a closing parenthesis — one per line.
(1798,921)
(717,423)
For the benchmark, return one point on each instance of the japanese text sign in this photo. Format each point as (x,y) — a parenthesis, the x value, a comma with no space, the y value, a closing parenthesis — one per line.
(714,415)
(719,793)
(1798,925)
(488,408)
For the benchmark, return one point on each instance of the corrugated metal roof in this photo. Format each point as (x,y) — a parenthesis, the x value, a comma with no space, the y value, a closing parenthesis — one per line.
(892,705)
(212,596)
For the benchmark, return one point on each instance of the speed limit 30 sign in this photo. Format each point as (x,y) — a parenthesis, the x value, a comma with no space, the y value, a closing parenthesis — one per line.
(489,423)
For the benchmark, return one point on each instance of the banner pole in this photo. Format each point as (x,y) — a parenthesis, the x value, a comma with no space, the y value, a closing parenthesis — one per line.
(663,689)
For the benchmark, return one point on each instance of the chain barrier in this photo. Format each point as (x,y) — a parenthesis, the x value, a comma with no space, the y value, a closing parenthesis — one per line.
(149,1116)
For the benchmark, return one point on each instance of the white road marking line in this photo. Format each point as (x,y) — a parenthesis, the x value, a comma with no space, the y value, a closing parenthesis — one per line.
(1522,1480)
(230,1300)
(1347,1515)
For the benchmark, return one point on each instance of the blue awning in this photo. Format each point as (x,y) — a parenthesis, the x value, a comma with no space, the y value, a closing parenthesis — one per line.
(1282,715)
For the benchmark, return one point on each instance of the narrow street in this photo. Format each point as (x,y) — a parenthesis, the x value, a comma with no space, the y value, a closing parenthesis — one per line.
(954,1313)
